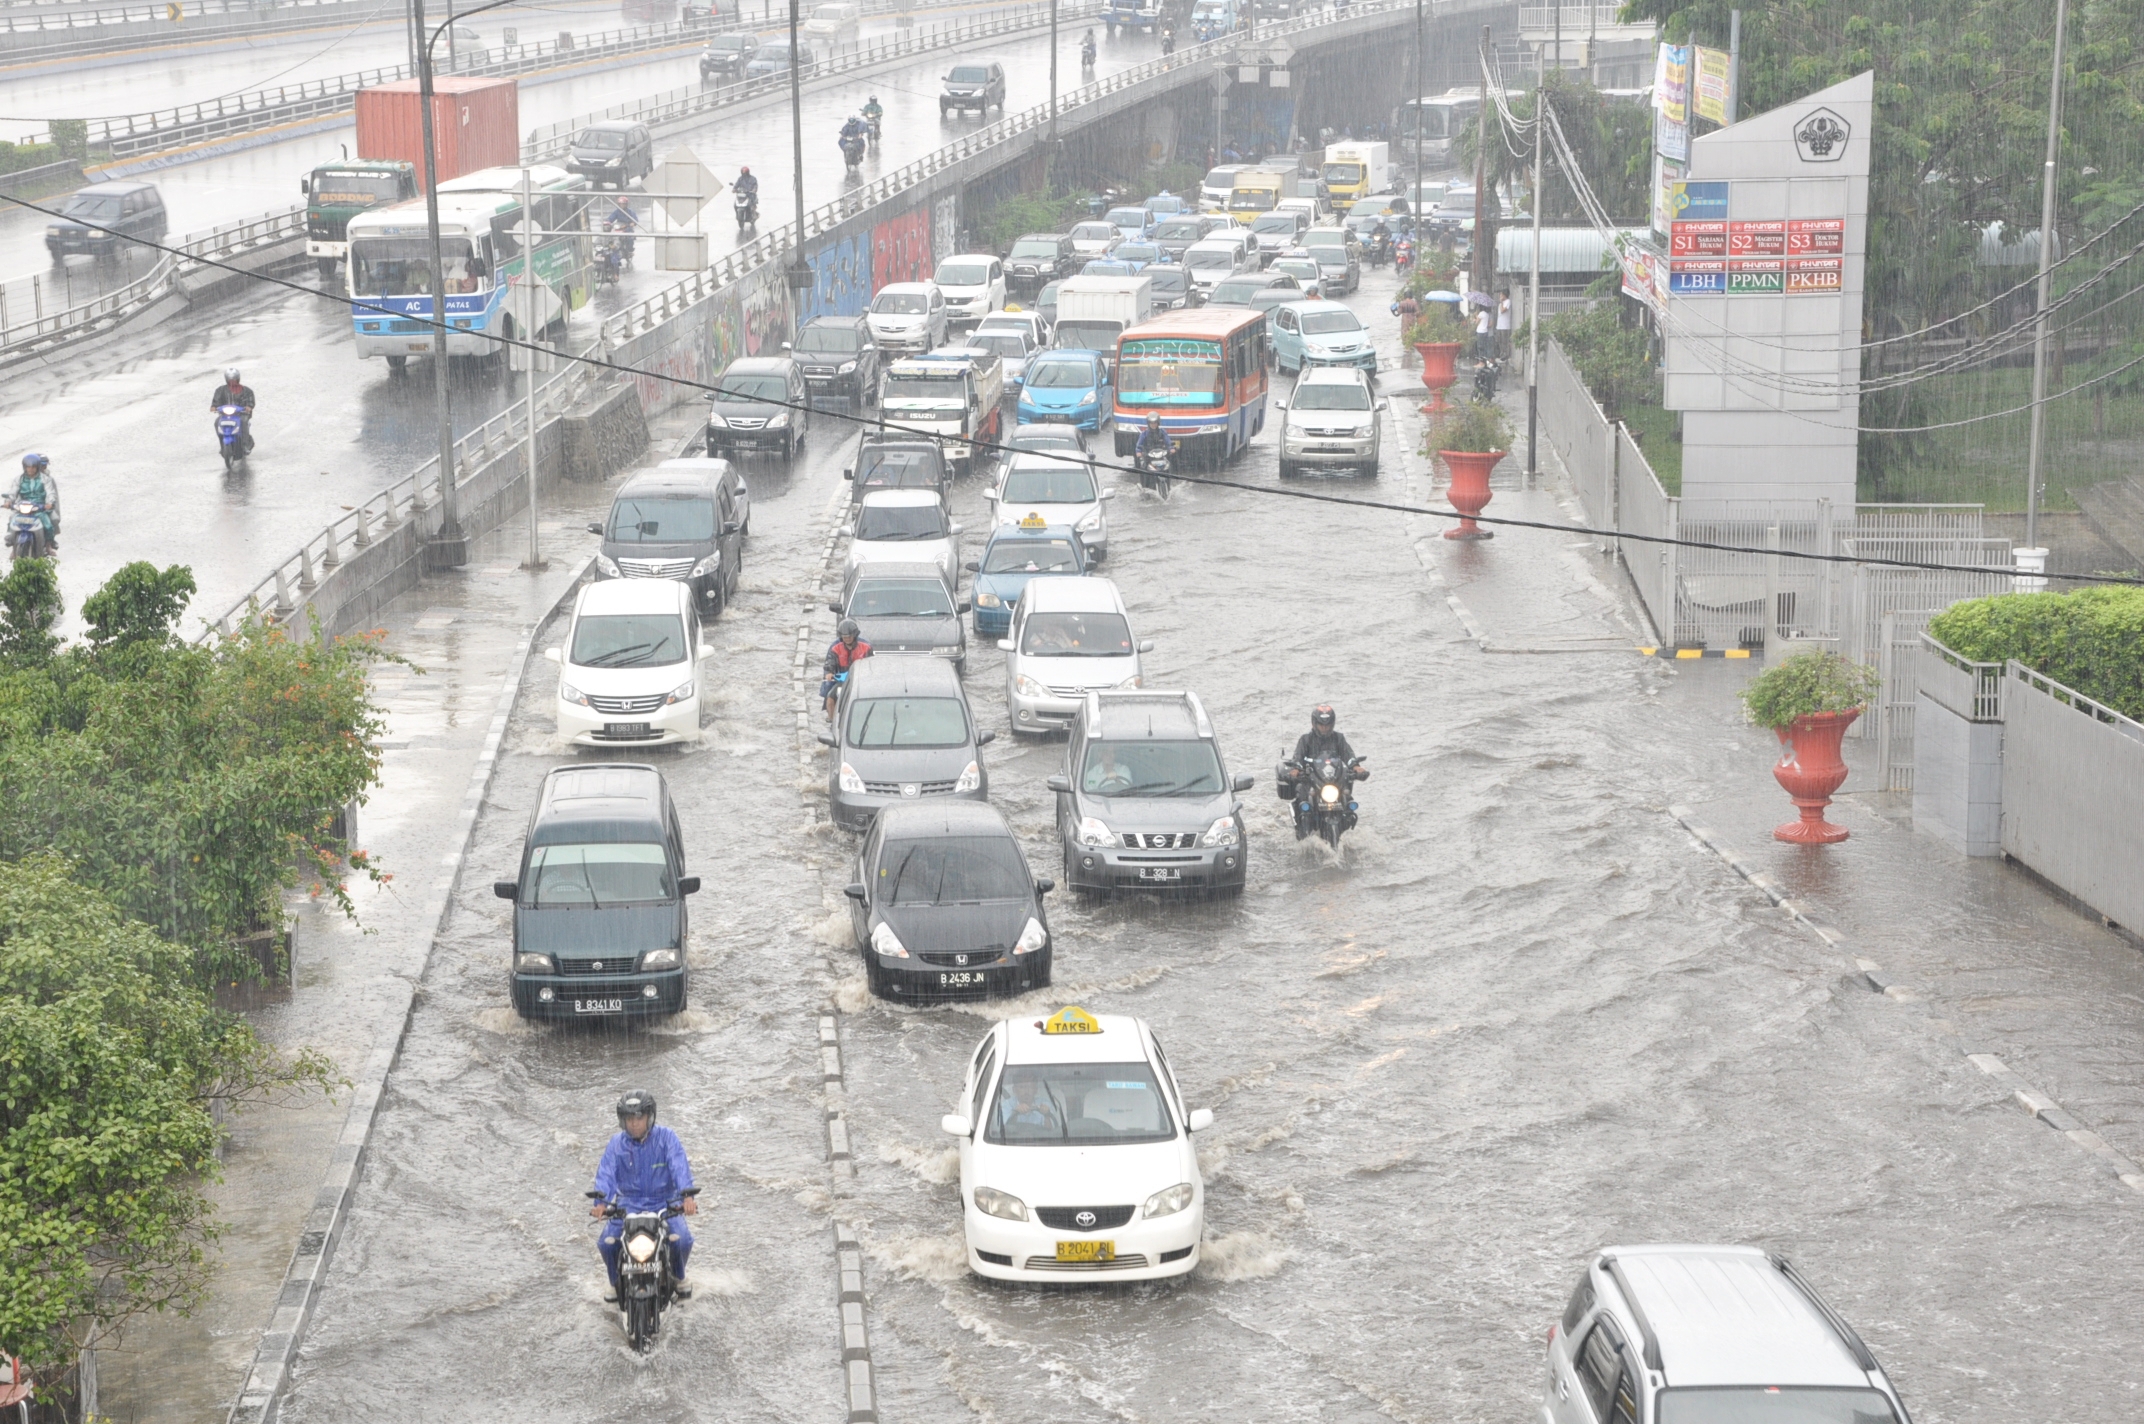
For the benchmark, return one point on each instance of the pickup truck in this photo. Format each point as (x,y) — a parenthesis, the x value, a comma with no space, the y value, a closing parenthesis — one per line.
(953,393)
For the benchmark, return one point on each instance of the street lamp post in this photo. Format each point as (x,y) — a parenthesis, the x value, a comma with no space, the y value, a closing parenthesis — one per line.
(450,547)
(2034,556)
(1053,72)
(800,278)
(1421,93)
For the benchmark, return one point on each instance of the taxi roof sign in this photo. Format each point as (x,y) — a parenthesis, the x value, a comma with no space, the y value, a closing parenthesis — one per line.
(1071,1019)
(1034,521)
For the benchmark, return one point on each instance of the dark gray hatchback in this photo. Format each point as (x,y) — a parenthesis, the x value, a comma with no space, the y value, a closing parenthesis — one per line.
(599,905)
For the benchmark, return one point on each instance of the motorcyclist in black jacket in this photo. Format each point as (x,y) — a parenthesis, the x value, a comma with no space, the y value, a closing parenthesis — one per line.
(1324,739)
(233,391)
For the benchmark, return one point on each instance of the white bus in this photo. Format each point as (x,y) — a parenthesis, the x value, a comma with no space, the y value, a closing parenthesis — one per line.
(480,239)
(1444,118)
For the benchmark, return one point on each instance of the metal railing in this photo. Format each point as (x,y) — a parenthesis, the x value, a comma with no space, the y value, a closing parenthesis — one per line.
(1972,690)
(687,101)
(17,15)
(21,332)
(1577,19)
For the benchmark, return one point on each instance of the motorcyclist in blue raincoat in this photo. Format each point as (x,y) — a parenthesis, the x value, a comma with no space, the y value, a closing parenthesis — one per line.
(644,1169)
(35,485)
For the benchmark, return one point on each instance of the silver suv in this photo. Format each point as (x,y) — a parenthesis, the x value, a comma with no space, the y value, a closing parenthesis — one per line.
(1707,1335)
(1144,801)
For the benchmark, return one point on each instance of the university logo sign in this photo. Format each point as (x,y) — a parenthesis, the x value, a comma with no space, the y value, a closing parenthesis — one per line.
(1821,138)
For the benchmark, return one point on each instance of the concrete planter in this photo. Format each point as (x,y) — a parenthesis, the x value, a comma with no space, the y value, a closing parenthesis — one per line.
(1439,371)
(1809,770)
(1469,491)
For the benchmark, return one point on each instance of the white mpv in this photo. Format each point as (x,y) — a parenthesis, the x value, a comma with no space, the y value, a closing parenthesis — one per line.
(1069,636)
(629,668)
(1044,489)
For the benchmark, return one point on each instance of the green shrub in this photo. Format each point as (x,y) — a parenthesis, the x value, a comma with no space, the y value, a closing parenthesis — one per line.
(1438,321)
(1814,680)
(1012,218)
(1472,426)
(2091,640)
(1614,360)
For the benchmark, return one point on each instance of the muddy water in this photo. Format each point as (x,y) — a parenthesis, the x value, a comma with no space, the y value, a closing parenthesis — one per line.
(1521,1017)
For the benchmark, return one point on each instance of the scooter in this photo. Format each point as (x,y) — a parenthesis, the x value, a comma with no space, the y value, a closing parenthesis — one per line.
(1168,41)
(1086,56)
(1322,790)
(746,206)
(852,150)
(610,263)
(26,531)
(1485,378)
(646,1288)
(873,125)
(1154,470)
(231,435)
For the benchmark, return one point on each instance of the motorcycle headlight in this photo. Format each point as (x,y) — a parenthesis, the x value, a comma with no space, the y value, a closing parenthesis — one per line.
(707,565)
(678,694)
(850,781)
(1330,795)
(718,420)
(971,776)
(641,1249)
(1093,833)
(885,941)
(1032,938)
(988,600)
(534,964)
(1028,687)
(992,1202)
(846,368)
(1135,680)
(1169,1201)
(659,959)
(1220,833)
(567,692)
(607,566)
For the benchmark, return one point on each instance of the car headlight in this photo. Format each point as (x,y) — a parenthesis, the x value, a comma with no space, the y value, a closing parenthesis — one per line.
(846,368)
(606,566)
(567,692)
(971,776)
(885,941)
(707,565)
(850,781)
(947,650)
(659,959)
(992,1202)
(534,964)
(1170,1201)
(778,422)
(1330,795)
(1028,687)
(1092,522)
(1088,397)
(1135,680)
(1093,833)
(678,694)
(718,420)
(641,1249)
(1032,938)
(988,600)
(1220,833)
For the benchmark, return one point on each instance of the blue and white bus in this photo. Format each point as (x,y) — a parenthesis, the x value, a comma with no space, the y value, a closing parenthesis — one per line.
(480,240)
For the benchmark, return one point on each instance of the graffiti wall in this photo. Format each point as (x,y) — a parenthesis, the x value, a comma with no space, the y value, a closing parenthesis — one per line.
(901,249)
(945,226)
(842,278)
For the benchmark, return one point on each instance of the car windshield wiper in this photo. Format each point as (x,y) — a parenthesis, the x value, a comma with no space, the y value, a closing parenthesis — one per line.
(620,657)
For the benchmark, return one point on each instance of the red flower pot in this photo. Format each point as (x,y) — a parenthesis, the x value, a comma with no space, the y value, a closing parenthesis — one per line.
(1469,488)
(1810,769)
(1438,372)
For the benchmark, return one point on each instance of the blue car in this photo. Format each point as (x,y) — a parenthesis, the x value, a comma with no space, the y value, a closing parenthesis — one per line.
(1015,554)
(1108,267)
(1066,387)
(1136,255)
(1319,333)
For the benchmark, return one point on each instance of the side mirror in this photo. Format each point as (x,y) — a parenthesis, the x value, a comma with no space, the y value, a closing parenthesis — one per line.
(963,606)
(824,739)
(991,495)
(848,472)
(1200,1119)
(953,530)
(1146,645)
(785,345)
(305,186)
(1004,645)
(706,650)
(595,528)
(974,568)
(984,739)
(731,527)
(956,1124)
(1109,493)
(556,655)
(1283,405)
(855,892)
(688,885)
(1059,782)
(1045,885)
(506,889)
(1384,405)
(833,608)
(1240,783)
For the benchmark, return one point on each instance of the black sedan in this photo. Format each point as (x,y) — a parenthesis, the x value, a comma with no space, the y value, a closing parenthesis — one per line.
(945,906)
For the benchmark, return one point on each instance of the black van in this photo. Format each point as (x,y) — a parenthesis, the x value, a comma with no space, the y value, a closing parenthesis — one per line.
(683,520)
(98,220)
(599,907)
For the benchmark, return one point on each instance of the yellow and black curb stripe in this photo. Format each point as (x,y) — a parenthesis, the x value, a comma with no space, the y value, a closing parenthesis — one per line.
(1685,654)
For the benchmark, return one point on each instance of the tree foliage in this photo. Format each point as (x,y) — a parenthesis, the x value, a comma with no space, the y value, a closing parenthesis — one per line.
(191,783)
(110,1056)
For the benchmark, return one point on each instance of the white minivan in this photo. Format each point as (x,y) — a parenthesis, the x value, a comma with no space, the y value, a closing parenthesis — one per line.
(908,317)
(1069,636)
(1211,260)
(974,286)
(1052,490)
(629,668)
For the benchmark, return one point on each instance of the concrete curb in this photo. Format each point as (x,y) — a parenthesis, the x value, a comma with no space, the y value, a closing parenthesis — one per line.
(2035,1103)
(260,1398)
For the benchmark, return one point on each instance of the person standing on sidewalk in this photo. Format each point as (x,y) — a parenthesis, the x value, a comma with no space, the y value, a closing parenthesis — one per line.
(1503,324)
(1484,333)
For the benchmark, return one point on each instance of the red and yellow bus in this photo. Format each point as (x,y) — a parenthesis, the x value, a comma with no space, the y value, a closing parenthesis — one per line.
(1204,370)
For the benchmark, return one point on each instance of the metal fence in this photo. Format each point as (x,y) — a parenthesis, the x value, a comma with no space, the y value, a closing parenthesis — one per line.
(2073,782)
(1616,486)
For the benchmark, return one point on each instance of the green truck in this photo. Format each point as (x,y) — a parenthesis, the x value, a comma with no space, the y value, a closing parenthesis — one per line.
(338,192)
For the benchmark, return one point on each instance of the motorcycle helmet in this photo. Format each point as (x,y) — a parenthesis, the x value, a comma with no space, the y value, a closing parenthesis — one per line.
(1323,718)
(230,375)
(849,629)
(638,1103)
(1153,420)
(745,171)
(35,461)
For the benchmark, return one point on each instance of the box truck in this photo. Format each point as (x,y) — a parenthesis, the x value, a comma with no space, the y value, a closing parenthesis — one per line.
(1356,170)
(1092,312)
(476,123)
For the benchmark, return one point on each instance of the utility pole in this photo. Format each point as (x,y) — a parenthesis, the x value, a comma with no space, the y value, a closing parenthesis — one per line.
(800,276)
(1533,296)
(450,548)
(1481,158)
(1419,97)
(1053,73)
(2033,556)
(1734,64)
(528,332)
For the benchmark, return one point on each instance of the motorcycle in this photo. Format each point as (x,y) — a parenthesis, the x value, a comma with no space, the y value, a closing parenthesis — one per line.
(646,1288)
(1154,470)
(1381,250)
(1086,56)
(1320,787)
(1168,41)
(1403,257)
(26,530)
(610,264)
(1485,378)
(231,434)
(852,150)
(873,125)
(746,206)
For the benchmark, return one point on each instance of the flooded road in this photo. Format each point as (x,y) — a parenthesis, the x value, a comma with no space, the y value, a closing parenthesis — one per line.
(1522,1017)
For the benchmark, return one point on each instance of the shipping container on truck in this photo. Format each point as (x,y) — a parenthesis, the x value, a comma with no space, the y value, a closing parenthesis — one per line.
(476,123)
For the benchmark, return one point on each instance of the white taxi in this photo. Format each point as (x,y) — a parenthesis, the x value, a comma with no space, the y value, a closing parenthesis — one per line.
(1075,1153)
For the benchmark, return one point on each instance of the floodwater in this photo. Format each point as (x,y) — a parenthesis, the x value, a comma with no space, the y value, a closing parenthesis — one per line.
(1522,1016)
